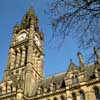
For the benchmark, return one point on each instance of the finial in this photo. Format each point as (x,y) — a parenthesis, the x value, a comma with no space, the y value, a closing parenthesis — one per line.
(97,54)
(71,61)
(80,59)
(72,66)
(31,12)
(29,19)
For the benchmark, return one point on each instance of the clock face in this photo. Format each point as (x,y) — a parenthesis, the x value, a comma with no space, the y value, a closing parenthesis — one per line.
(21,37)
(37,40)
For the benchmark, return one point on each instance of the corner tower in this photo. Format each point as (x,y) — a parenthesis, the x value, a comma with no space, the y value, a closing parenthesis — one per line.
(25,59)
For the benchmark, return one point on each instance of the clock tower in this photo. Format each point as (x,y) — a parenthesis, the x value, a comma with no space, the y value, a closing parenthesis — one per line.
(25,58)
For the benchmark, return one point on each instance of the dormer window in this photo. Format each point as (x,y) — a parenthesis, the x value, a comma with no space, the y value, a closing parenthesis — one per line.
(75,79)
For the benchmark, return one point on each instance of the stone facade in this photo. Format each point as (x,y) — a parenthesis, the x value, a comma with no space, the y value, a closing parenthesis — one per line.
(24,79)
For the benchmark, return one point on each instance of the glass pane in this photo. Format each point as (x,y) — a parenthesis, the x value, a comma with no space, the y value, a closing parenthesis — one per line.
(63,98)
(73,96)
(97,93)
(82,96)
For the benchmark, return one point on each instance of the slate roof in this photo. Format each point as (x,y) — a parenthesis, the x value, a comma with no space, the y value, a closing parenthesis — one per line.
(58,79)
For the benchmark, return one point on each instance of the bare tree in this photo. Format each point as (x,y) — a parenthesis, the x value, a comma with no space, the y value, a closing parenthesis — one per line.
(78,18)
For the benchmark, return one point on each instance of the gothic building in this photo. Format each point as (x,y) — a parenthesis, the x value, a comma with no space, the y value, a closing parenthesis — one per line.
(24,78)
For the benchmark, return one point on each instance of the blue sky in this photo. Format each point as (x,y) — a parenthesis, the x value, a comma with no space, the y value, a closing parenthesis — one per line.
(11,12)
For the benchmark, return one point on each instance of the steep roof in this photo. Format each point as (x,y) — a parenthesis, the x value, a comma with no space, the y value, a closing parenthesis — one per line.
(57,80)
(72,66)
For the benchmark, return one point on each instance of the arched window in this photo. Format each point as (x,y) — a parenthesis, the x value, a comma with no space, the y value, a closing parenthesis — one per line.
(11,87)
(73,96)
(63,84)
(63,97)
(74,79)
(97,93)
(82,95)
(55,98)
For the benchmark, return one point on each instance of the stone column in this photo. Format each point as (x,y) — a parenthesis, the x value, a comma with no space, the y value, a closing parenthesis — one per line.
(12,58)
(89,94)
(77,95)
(3,89)
(19,95)
(18,58)
(29,71)
(69,95)
(23,56)
(10,63)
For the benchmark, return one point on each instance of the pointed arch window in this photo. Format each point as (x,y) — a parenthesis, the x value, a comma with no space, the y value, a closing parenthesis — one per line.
(97,93)
(11,88)
(55,98)
(74,96)
(26,51)
(63,84)
(82,95)
(75,79)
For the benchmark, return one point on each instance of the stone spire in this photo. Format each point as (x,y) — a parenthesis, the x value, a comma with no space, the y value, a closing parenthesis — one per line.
(30,15)
(31,12)
(80,56)
(97,54)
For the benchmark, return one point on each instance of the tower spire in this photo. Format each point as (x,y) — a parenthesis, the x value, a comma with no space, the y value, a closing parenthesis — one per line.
(30,12)
(30,15)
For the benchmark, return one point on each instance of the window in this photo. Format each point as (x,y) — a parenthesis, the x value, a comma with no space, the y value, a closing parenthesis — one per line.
(11,87)
(74,79)
(55,98)
(20,56)
(15,58)
(26,55)
(73,96)
(63,84)
(92,76)
(97,93)
(82,95)
(63,97)
(6,86)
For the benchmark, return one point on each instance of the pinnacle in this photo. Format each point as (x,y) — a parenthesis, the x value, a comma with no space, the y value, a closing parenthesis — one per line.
(72,66)
(31,12)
